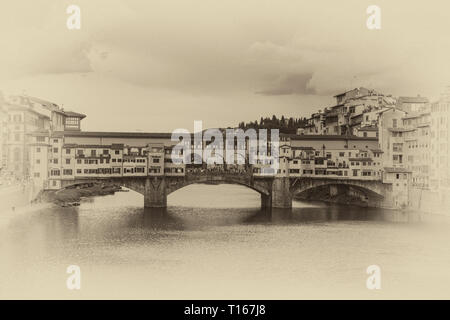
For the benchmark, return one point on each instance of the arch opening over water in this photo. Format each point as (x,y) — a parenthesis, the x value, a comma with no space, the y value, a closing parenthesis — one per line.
(224,195)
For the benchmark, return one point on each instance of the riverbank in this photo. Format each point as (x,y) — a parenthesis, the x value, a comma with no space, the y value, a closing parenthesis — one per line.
(72,196)
(14,196)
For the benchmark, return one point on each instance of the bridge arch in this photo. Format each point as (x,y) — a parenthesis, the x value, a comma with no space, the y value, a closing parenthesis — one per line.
(156,189)
(373,191)
(137,185)
(262,187)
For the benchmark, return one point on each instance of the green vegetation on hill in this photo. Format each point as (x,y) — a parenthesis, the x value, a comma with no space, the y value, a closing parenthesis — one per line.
(286,125)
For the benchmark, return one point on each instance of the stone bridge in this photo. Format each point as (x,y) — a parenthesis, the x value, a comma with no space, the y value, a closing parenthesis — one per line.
(276,192)
(376,193)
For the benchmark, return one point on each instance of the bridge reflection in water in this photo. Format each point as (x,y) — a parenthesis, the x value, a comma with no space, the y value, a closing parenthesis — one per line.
(169,218)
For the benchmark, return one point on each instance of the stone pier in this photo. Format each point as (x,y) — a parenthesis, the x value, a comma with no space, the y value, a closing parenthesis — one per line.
(280,195)
(155,195)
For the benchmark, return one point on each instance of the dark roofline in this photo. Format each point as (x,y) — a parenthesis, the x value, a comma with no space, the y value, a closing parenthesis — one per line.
(165,135)
(100,134)
(360,159)
(113,146)
(70,114)
(326,137)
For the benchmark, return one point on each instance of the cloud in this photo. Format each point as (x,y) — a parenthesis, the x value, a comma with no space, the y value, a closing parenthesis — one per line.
(36,41)
(285,52)
(290,84)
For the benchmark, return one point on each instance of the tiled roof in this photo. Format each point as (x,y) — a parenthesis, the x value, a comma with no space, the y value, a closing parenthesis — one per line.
(102,146)
(327,137)
(112,134)
(71,114)
(74,145)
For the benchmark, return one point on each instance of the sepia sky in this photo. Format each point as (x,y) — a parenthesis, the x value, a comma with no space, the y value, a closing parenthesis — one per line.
(160,65)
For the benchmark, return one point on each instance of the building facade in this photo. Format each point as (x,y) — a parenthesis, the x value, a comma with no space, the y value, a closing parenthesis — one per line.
(355,113)
(439,140)
(22,118)
(26,126)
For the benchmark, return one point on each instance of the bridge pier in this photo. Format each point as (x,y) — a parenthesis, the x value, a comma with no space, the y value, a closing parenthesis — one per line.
(266,201)
(155,193)
(281,196)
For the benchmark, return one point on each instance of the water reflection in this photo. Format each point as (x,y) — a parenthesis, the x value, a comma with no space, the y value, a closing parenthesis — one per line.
(159,218)
(216,250)
(323,213)
(53,223)
(96,219)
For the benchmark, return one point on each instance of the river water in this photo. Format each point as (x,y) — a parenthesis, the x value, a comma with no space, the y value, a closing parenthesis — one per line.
(214,242)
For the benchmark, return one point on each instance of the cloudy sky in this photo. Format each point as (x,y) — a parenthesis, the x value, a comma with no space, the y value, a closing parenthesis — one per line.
(159,65)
